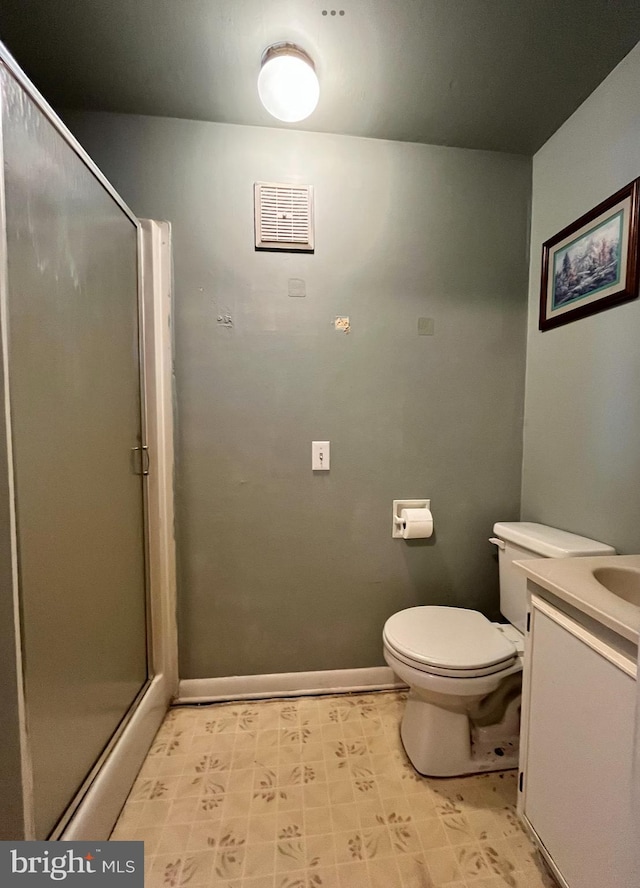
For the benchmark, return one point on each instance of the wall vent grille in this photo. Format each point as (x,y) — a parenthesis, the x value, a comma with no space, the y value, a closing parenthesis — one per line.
(284,217)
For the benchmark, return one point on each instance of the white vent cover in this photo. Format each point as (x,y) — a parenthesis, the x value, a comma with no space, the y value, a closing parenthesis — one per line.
(284,216)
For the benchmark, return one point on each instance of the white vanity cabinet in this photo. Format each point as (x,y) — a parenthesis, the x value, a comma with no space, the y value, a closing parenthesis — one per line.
(577,748)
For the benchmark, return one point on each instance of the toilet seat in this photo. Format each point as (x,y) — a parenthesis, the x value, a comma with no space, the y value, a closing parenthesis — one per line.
(448,641)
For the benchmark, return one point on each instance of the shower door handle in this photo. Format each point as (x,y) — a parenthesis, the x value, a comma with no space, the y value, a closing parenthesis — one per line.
(141,460)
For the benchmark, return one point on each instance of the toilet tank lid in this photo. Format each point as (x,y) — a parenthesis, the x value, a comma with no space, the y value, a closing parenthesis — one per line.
(549,541)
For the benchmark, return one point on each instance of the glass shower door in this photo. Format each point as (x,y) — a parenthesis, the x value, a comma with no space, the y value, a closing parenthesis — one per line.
(74,377)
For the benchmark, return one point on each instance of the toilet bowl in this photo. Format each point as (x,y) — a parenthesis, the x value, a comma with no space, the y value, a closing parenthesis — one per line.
(464,672)
(465,678)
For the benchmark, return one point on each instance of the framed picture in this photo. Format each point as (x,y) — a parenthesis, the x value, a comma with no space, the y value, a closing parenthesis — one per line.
(592,264)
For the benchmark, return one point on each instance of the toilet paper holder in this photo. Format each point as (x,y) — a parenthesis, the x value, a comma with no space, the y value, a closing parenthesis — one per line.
(398,506)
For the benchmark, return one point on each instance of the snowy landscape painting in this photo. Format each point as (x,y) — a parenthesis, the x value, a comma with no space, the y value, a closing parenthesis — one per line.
(593,263)
(589,263)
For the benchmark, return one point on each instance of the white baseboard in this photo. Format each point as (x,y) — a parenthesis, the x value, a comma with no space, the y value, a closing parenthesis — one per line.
(287,684)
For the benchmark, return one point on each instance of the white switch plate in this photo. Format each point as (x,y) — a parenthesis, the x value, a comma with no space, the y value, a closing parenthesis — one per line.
(320,456)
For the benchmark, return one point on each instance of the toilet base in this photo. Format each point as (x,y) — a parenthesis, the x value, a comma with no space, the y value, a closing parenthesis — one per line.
(444,743)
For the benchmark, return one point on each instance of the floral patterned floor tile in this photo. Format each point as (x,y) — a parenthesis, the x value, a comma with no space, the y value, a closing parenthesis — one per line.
(316,792)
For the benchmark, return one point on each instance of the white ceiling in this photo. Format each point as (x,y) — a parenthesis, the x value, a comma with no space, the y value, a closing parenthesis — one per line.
(494,74)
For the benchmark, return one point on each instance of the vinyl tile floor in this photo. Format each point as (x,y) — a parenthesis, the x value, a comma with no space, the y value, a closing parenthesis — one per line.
(316,792)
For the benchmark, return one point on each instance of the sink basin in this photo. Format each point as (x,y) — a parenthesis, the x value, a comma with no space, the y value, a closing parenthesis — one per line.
(622,581)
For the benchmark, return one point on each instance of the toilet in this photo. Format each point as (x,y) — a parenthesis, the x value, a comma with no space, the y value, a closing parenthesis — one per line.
(462,715)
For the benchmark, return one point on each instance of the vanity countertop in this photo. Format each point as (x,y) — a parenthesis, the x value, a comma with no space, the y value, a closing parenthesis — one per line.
(572,580)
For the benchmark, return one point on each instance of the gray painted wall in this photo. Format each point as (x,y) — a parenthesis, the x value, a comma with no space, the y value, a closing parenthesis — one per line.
(280,569)
(581,469)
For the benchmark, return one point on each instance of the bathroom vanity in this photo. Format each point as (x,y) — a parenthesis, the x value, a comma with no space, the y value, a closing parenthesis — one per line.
(576,779)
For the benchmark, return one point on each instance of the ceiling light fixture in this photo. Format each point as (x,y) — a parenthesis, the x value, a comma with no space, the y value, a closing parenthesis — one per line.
(287,84)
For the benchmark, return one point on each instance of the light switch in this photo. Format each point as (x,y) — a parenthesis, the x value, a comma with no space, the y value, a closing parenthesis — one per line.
(320,456)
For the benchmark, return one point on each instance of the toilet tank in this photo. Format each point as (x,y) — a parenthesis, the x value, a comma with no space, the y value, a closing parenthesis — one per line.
(517,540)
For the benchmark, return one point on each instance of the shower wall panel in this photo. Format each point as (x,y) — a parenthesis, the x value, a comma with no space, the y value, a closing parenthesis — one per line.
(74,382)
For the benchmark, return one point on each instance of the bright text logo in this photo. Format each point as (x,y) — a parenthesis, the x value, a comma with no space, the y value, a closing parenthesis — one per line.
(33,864)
